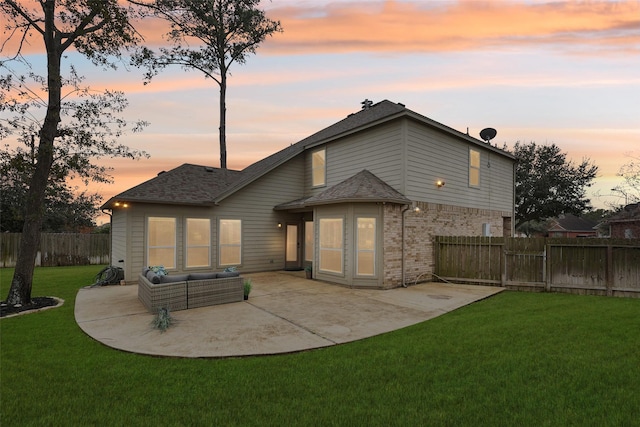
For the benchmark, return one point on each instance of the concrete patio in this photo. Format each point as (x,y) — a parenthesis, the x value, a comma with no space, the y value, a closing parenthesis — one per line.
(285,313)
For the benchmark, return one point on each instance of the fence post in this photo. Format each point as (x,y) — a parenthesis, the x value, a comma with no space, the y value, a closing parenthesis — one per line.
(503,259)
(436,255)
(609,271)
(546,267)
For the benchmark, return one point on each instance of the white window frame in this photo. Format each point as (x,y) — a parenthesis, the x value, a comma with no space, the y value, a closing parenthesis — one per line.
(308,241)
(175,239)
(360,250)
(222,245)
(315,167)
(324,249)
(189,245)
(474,169)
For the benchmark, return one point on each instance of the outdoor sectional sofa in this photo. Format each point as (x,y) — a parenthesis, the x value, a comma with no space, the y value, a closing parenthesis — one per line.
(181,292)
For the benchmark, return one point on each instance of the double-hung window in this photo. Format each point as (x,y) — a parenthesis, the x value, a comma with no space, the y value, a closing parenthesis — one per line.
(331,245)
(198,242)
(161,242)
(366,246)
(308,241)
(230,242)
(474,168)
(319,167)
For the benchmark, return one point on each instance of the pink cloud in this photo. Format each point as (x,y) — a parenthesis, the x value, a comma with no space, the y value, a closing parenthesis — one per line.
(395,26)
(455,26)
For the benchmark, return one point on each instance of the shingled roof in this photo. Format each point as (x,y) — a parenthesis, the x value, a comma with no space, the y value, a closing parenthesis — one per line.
(185,185)
(362,187)
(569,222)
(384,110)
(628,214)
(201,185)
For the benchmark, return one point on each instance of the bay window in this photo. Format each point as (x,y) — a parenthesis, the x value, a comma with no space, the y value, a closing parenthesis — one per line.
(331,245)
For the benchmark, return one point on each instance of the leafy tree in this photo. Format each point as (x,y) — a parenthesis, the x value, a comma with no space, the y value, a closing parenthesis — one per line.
(209,36)
(95,29)
(597,214)
(548,185)
(630,172)
(66,209)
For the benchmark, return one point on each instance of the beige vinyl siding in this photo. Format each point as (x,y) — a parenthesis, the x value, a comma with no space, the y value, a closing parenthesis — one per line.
(119,239)
(137,243)
(263,242)
(376,150)
(432,155)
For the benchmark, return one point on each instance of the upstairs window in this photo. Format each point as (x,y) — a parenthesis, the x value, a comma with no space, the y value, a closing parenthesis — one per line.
(318,168)
(474,168)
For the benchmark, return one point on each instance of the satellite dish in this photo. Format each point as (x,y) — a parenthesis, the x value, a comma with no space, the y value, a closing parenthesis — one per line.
(488,134)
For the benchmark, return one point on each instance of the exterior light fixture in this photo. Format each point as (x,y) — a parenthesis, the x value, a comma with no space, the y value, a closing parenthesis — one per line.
(439,183)
(279,225)
(414,207)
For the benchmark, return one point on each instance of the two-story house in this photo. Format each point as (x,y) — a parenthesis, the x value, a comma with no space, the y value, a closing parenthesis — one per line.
(360,201)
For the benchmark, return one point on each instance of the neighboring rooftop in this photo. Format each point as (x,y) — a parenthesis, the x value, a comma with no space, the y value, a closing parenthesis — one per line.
(628,213)
(569,222)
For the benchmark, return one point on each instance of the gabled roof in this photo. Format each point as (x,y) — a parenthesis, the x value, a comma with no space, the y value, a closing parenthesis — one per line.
(569,222)
(362,187)
(188,185)
(381,112)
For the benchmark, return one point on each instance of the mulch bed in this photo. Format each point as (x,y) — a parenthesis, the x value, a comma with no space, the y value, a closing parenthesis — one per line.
(37,303)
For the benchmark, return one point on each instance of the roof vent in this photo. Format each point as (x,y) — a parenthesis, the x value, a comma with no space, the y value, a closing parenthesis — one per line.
(366,104)
(161,172)
(401,104)
(208,169)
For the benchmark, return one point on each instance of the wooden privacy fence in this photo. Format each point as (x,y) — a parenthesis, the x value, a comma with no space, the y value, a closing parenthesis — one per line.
(58,249)
(584,266)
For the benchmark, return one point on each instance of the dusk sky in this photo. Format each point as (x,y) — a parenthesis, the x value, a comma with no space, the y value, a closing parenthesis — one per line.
(563,72)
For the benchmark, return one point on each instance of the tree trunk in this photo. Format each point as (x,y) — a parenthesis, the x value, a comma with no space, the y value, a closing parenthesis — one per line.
(223,118)
(20,291)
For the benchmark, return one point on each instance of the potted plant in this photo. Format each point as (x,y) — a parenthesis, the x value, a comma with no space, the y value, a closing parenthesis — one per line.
(308,270)
(247,288)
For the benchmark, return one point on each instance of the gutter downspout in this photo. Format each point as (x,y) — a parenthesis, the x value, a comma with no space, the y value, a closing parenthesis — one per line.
(110,235)
(402,260)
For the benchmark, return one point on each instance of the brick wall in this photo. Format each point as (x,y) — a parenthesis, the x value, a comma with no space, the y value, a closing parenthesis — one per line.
(392,249)
(420,228)
(625,230)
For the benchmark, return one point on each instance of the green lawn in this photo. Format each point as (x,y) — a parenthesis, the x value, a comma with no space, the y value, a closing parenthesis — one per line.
(516,359)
